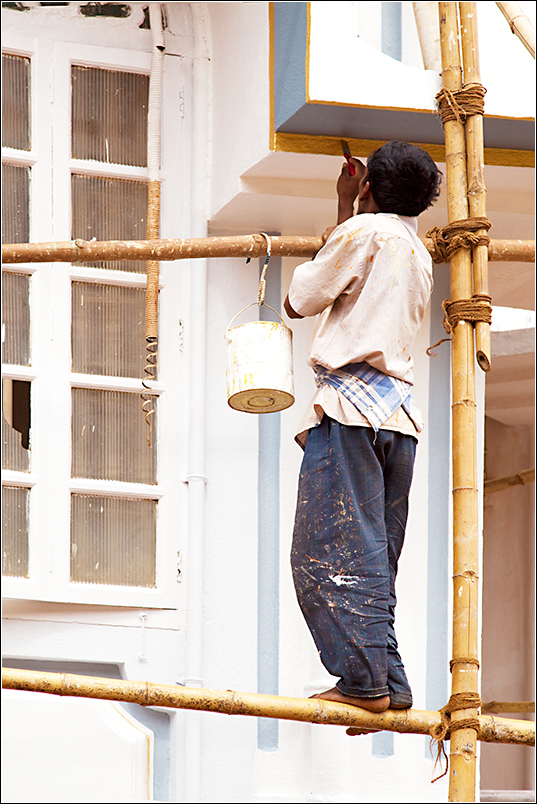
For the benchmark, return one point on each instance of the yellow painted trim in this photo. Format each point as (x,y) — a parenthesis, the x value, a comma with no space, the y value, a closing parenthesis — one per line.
(129,720)
(509,157)
(331,146)
(376,108)
(409,109)
(307,65)
(271,77)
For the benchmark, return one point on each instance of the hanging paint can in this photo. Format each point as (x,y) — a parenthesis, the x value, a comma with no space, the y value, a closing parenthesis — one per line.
(259,365)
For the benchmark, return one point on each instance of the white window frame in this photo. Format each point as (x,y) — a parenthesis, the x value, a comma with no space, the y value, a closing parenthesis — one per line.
(50,478)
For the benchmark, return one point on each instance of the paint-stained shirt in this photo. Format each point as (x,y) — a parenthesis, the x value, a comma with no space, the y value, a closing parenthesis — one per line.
(369,285)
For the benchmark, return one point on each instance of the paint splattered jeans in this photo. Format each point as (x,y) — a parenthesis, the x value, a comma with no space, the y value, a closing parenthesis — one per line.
(349,531)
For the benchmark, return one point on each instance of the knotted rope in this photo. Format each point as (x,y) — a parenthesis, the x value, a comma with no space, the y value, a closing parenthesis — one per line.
(446,241)
(457,702)
(478,308)
(262,281)
(462,103)
(457,235)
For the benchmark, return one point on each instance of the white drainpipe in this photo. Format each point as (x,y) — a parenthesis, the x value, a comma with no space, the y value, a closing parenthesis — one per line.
(155,92)
(197,422)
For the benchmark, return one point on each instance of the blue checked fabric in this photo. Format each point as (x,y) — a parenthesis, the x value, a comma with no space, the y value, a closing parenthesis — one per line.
(376,395)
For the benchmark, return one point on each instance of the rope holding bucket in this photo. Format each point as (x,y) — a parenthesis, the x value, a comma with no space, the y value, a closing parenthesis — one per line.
(263,282)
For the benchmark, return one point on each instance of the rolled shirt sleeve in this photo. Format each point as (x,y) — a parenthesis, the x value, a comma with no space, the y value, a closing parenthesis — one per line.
(318,283)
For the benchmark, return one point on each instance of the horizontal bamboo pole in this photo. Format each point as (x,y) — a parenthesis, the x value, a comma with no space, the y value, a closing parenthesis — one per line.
(408,721)
(519,24)
(253,245)
(500,483)
(511,251)
(493,707)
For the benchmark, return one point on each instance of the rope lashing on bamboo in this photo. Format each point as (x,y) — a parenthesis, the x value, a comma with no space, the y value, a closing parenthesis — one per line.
(446,241)
(462,103)
(457,702)
(478,308)
(456,235)
(262,282)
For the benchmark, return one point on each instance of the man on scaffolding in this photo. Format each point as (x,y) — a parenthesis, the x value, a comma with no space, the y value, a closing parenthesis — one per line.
(370,285)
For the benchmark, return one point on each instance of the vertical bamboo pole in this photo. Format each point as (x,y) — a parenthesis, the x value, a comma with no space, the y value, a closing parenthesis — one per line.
(462,768)
(153,229)
(153,204)
(476,172)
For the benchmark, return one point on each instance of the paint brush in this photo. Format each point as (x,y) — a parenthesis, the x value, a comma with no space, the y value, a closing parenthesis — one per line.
(347,155)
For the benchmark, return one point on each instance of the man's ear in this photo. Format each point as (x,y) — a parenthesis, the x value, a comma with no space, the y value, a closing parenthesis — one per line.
(365,191)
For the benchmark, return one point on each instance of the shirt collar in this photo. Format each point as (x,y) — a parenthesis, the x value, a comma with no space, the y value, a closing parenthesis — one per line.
(410,223)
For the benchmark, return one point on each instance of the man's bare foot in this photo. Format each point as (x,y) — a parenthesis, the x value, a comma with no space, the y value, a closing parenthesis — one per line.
(370,704)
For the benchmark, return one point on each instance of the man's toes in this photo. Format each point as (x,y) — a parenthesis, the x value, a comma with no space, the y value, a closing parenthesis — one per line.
(352,731)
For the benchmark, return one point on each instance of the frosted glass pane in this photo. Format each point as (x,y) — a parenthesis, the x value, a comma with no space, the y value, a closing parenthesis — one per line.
(16,102)
(113,540)
(15,204)
(108,330)
(109,437)
(109,121)
(15,503)
(16,425)
(15,319)
(109,209)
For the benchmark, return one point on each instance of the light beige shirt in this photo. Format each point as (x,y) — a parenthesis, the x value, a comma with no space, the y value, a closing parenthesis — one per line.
(370,285)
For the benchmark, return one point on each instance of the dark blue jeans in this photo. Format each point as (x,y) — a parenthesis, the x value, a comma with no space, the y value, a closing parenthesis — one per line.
(349,531)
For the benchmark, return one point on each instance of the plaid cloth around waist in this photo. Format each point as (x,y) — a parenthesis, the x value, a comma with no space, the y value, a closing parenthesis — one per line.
(376,395)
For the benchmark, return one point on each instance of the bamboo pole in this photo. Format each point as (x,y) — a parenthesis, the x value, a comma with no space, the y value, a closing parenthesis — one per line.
(512,251)
(153,230)
(408,721)
(519,24)
(253,245)
(493,707)
(462,771)
(153,205)
(476,173)
(520,479)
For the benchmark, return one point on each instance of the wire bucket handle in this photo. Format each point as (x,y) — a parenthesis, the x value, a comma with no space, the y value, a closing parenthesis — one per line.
(262,287)
(252,304)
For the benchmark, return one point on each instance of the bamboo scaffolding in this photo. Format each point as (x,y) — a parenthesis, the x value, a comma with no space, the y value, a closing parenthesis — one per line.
(519,24)
(476,173)
(253,245)
(408,721)
(462,776)
(520,479)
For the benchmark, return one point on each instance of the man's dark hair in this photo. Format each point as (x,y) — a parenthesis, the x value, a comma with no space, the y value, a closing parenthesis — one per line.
(404,179)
